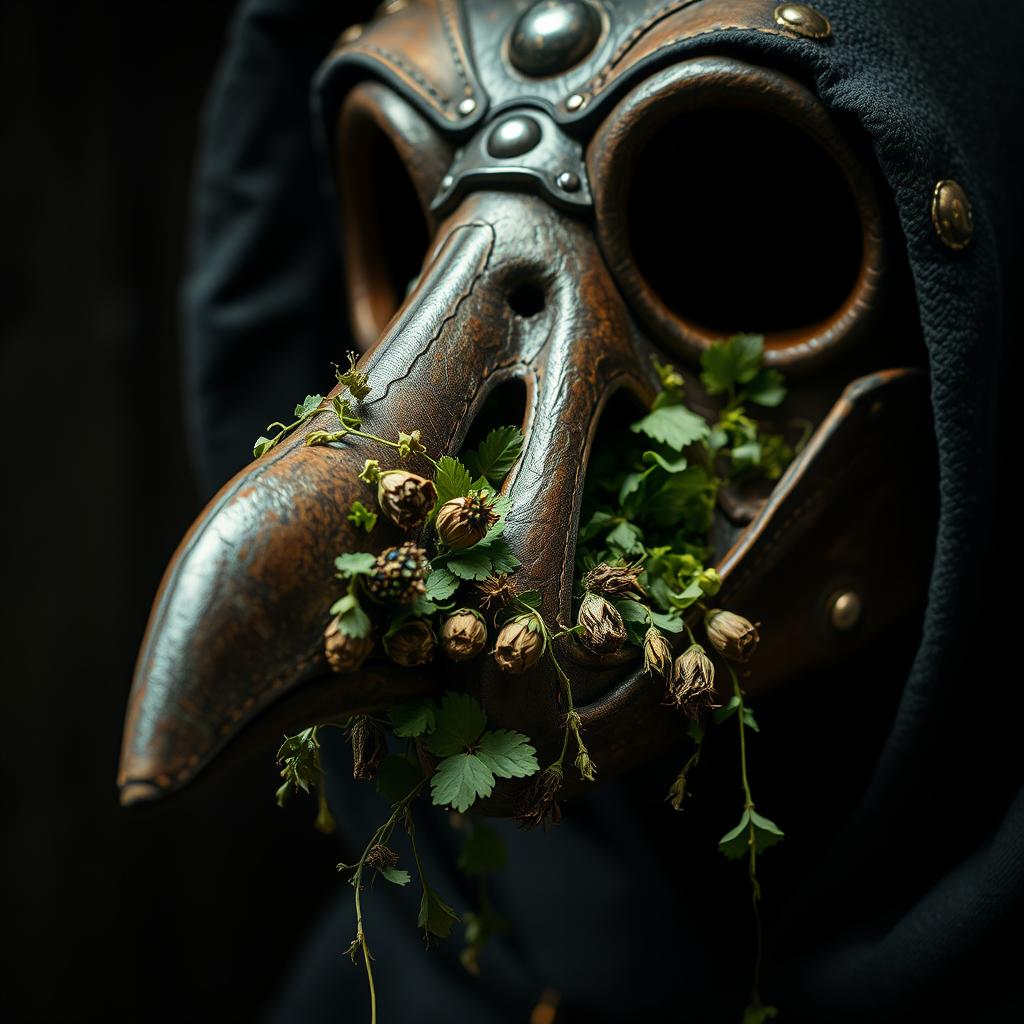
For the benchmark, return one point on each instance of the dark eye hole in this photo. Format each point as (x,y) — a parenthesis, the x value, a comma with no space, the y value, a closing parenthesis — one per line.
(739,221)
(390,164)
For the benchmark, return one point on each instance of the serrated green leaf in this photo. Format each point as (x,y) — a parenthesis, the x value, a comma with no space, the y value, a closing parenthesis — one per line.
(360,516)
(736,842)
(508,754)
(414,718)
(397,777)
(308,406)
(766,832)
(355,563)
(497,455)
(344,604)
(472,564)
(483,851)
(396,876)
(734,361)
(766,389)
(435,916)
(458,725)
(674,425)
(459,779)
(441,584)
(451,479)
(502,558)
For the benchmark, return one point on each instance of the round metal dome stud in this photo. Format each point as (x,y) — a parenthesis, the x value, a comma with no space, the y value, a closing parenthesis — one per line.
(514,136)
(568,181)
(575,102)
(804,20)
(553,36)
(351,34)
(467,106)
(845,608)
(951,214)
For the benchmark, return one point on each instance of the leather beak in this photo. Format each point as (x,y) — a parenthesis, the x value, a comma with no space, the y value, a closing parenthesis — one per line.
(233,650)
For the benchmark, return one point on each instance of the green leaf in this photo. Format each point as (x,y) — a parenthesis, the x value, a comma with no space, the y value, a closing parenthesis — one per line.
(727,710)
(396,876)
(757,1013)
(414,718)
(441,584)
(630,484)
(655,458)
(766,389)
(508,754)
(749,721)
(360,516)
(483,851)
(263,445)
(355,623)
(452,479)
(728,363)
(459,780)
(502,558)
(692,593)
(766,832)
(667,623)
(736,843)
(496,455)
(746,455)
(597,522)
(674,425)
(397,777)
(355,563)
(471,564)
(435,916)
(458,725)
(308,406)
(627,538)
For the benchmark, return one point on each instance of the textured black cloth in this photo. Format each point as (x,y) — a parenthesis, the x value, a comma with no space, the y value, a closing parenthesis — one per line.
(898,890)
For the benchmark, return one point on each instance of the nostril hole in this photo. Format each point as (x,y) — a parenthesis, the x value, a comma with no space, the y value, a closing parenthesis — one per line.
(526,300)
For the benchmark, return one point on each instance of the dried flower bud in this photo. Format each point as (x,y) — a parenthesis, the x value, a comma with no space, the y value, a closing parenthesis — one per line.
(520,645)
(463,635)
(731,634)
(399,574)
(692,685)
(497,592)
(410,444)
(604,632)
(381,857)
(405,498)
(370,472)
(615,581)
(657,653)
(585,766)
(368,744)
(540,806)
(463,522)
(410,645)
(345,653)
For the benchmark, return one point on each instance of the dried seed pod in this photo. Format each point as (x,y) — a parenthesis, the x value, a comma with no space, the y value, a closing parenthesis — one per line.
(615,581)
(405,498)
(399,574)
(497,592)
(540,806)
(657,653)
(604,632)
(464,634)
(410,645)
(463,522)
(520,645)
(691,687)
(345,653)
(731,634)
(381,858)
(368,745)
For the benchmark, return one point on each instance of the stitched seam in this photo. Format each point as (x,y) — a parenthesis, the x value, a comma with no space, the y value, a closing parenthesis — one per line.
(416,76)
(447,18)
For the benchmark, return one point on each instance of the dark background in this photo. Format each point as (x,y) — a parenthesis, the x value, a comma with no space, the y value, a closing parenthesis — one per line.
(189,911)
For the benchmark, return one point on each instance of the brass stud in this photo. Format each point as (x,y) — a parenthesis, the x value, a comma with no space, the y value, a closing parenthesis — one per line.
(568,181)
(844,610)
(351,34)
(804,20)
(951,214)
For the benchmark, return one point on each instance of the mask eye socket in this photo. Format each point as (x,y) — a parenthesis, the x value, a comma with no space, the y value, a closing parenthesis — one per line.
(390,162)
(727,200)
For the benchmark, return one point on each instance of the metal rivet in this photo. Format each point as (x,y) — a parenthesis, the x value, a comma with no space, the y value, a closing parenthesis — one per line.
(351,34)
(447,181)
(553,36)
(804,20)
(467,106)
(575,101)
(844,610)
(567,181)
(390,7)
(951,214)
(514,136)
